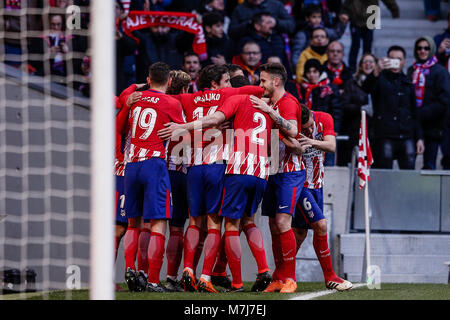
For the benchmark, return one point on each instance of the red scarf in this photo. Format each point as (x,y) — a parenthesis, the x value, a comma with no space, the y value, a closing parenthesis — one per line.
(418,78)
(337,74)
(309,87)
(178,20)
(251,71)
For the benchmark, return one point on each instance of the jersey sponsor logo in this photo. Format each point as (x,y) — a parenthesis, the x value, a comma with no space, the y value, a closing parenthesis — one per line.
(282,207)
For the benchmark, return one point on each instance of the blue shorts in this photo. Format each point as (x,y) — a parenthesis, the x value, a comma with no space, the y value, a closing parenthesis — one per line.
(282,193)
(179,198)
(309,208)
(204,189)
(121,219)
(241,195)
(147,190)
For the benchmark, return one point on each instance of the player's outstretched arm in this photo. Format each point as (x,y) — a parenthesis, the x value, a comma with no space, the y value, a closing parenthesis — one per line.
(289,128)
(327,145)
(210,121)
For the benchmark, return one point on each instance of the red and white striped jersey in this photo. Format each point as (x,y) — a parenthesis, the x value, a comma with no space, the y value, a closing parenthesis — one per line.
(252,129)
(289,109)
(314,158)
(121,128)
(176,154)
(209,145)
(146,118)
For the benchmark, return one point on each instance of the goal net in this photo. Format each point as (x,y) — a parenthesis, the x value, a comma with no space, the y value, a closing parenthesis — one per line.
(49,173)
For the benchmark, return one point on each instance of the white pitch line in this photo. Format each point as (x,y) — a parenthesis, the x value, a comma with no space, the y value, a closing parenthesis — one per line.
(314,295)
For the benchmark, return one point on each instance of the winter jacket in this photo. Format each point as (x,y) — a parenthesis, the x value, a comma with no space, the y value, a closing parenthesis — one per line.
(329,103)
(394,106)
(436,101)
(357,10)
(241,26)
(307,54)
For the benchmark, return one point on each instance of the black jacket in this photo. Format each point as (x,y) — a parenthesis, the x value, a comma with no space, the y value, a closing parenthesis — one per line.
(240,24)
(353,98)
(436,101)
(394,106)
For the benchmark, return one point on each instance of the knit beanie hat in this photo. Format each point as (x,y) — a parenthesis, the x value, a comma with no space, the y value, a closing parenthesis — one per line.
(313,63)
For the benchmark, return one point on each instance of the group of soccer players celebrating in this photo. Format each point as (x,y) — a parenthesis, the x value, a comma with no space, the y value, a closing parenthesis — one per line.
(212,157)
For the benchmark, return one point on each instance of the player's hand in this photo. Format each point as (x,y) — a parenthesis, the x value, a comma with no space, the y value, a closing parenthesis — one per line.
(133,98)
(224,125)
(166,133)
(260,104)
(420,147)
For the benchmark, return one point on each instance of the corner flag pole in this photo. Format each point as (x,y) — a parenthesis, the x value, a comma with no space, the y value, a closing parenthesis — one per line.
(366,201)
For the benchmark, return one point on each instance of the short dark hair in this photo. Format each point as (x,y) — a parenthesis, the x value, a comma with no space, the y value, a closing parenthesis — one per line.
(306,114)
(275,69)
(257,18)
(397,48)
(249,42)
(190,54)
(159,73)
(320,28)
(311,9)
(239,81)
(212,18)
(209,74)
(234,67)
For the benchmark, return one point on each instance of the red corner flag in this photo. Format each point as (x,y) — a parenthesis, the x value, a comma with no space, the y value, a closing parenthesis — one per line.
(365,159)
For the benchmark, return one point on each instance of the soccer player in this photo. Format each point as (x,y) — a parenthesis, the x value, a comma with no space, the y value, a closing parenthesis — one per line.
(176,164)
(147,184)
(283,189)
(318,131)
(128,97)
(206,175)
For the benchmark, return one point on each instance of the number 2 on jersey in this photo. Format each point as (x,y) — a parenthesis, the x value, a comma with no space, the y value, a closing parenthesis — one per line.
(146,124)
(261,120)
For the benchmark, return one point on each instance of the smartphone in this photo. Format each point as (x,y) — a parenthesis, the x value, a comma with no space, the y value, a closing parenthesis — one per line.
(394,64)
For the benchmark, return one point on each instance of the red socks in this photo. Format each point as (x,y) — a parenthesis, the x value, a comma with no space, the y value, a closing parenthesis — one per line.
(174,251)
(211,247)
(234,253)
(155,256)
(277,257)
(255,241)
(288,250)
(320,244)
(191,240)
(198,252)
(144,238)
(220,268)
(130,245)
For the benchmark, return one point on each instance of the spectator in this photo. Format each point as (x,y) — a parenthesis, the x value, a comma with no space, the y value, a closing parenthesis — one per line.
(432,9)
(329,10)
(443,43)
(354,100)
(249,60)
(356,12)
(191,65)
(337,71)
(317,50)
(57,44)
(217,6)
(240,24)
(239,81)
(163,46)
(84,88)
(432,84)
(302,38)
(125,46)
(218,45)
(270,43)
(397,130)
(319,94)
(234,70)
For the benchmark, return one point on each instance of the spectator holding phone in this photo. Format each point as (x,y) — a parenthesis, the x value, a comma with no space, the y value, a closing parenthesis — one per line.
(397,130)
(432,87)
(57,44)
(443,44)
